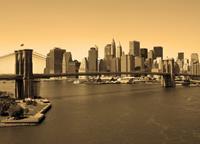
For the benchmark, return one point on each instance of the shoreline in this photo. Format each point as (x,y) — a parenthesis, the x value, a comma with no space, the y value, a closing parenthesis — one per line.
(31,120)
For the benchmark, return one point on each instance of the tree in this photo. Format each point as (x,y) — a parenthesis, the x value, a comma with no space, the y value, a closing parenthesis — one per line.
(16,111)
(4,106)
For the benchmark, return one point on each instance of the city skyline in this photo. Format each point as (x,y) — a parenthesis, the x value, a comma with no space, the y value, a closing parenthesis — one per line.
(114,71)
(78,25)
(101,50)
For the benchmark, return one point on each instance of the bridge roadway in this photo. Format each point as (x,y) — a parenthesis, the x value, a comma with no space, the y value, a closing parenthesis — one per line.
(46,76)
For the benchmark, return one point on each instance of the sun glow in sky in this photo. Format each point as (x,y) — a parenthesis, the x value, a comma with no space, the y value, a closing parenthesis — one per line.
(77,25)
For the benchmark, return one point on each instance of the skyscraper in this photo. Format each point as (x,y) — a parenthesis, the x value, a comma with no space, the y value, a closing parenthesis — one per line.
(151,54)
(102,65)
(93,60)
(107,56)
(194,58)
(107,51)
(194,64)
(67,58)
(181,55)
(180,61)
(158,52)
(195,69)
(130,63)
(124,63)
(180,64)
(139,63)
(115,65)
(144,53)
(127,63)
(84,65)
(113,48)
(54,61)
(186,66)
(134,48)
(73,66)
(119,51)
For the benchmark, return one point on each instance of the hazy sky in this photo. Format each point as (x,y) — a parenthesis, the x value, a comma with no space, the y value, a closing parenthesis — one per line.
(77,25)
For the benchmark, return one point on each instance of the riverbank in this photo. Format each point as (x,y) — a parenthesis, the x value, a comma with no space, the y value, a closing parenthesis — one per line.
(35,115)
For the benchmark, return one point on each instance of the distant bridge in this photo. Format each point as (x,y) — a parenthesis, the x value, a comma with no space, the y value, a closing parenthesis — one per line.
(24,74)
(47,76)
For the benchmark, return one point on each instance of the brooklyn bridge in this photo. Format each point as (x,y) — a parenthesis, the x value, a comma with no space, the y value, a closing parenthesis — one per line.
(24,74)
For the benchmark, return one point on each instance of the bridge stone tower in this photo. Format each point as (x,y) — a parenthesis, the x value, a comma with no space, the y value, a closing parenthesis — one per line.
(168,79)
(24,68)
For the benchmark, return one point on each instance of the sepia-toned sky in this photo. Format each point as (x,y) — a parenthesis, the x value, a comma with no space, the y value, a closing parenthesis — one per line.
(77,25)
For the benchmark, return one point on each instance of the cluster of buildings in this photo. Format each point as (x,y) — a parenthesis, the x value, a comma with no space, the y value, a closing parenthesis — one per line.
(115,60)
(60,61)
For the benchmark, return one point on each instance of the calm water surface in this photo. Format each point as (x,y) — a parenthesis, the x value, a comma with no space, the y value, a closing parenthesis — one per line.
(112,114)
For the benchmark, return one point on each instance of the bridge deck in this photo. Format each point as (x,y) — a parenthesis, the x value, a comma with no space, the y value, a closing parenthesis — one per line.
(43,76)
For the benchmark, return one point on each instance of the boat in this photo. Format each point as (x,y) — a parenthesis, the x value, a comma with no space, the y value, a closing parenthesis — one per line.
(76,81)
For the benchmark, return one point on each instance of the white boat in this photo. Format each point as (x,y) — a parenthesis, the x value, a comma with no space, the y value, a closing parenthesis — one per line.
(45,100)
(76,81)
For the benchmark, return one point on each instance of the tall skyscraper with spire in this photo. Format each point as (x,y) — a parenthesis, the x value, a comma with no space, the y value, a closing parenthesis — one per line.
(113,48)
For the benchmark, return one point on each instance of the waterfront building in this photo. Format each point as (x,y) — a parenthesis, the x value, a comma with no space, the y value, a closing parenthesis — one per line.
(139,63)
(186,66)
(115,65)
(54,61)
(102,65)
(118,64)
(134,48)
(107,56)
(194,64)
(119,51)
(107,51)
(180,63)
(130,63)
(113,48)
(47,67)
(195,69)
(73,66)
(124,63)
(83,67)
(157,65)
(148,65)
(194,58)
(144,53)
(151,54)
(127,63)
(177,68)
(93,60)
(67,58)
(158,52)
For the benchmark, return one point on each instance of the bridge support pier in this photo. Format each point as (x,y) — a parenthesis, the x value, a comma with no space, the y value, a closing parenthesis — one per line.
(19,89)
(23,67)
(168,81)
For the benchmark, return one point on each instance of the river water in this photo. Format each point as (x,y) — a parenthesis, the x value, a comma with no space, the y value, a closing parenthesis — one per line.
(112,114)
